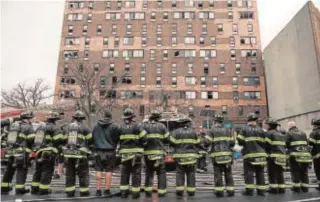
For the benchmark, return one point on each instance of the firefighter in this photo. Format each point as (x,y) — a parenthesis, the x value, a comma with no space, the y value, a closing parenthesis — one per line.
(186,147)
(154,150)
(47,140)
(252,138)
(132,140)
(202,162)
(276,149)
(299,159)
(19,142)
(314,141)
(221,142)
(76,150)
(59,159)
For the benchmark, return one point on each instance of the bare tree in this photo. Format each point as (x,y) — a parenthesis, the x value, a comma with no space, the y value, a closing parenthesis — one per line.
(90,101)
(26,95)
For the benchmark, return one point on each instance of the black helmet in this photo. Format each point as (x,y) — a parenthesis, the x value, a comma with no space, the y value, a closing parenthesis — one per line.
(155,114)
(79,115)
(107,114)
(184,119)
(218,118)
(316,122)
(27,115)
(53,115)
(252,117)
(128,114)
(272,121)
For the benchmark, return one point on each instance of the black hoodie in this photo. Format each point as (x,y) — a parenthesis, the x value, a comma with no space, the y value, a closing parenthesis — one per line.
(106,135)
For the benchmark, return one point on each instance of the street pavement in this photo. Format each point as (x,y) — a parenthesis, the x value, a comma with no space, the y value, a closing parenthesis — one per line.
(204,189)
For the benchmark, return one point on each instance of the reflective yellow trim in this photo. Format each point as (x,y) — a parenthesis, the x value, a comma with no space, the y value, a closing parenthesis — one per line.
(162,191)
(255,155)
(71,188)
(187,141)
(148,189)
(241,137)
(295,143)
(35,184)
(4,184)
(227,153)
(312,140)
(280,143)
(84,189)
(249,139)
(55,150)
(282,186)
(250,186)
(304,185)
(296,184)
(89,136)
(191,189)
(30,136)
(268,140)
(84,149)
(129,137)
(135,189)
(44,186)
(230,188)
(209,138)
(124,187)
(74,156)
(259,163)
(172,139)
(19,186)
(142,134)
(48,137)
(219,188)
(132,150)
(180,188)
(148,152)
(166,135)
(274,185)
(188,162)
(22,135)
(300,154)
(216,139)
(278,155)
(58,136)
(186,155)
(159,136)
(261,187)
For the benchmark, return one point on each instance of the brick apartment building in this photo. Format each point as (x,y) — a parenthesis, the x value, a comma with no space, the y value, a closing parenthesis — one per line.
(200,54)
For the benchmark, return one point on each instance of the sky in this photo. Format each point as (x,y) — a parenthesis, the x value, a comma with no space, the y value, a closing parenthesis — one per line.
(31,31)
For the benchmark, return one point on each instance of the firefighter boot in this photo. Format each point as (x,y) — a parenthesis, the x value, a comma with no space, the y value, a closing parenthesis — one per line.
(219,194)
(260,192)
(124,193)
(22,191)
(230,193)
(282,190)
(5,190)
(70,193)
(84,194)
(247,192)
(179,193)
(45,191)
(34,190)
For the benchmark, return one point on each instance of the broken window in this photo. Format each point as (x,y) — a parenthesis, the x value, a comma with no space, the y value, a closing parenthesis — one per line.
(67,80)
(246,15)
(70,54)
(127,80)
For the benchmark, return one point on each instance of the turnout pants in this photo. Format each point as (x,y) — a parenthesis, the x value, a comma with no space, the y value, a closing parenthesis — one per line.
(276,177)
(249,171)
(80,167)
(202,162)
(299,175)
(161,174)
(14,165)
(316,166)
(220,170)
(188,171)
(130,167)
(43,175)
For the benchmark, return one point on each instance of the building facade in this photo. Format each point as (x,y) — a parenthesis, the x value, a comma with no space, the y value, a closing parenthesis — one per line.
(292,63)
(175,55)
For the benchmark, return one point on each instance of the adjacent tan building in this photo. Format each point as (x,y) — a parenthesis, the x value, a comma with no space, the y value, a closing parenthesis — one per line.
(199,54)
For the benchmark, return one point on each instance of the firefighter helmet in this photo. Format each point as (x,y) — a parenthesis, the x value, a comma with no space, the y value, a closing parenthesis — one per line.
(27,115)
(218,118)
(53,115)
(128,114)
(79,115)
(272,121)
(316,122)
(184,119)
(252,117)
(155,114)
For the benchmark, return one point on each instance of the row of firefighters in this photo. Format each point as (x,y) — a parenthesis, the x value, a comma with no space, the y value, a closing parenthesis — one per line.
(74,141)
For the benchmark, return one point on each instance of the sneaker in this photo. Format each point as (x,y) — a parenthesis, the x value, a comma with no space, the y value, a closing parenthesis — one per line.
(98,192)
(107,192)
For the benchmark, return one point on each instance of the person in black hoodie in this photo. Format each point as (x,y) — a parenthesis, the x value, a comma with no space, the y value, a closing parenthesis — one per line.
(105,137)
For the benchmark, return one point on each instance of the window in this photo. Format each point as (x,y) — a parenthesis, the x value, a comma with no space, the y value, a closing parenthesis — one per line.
(134,16)
(246,15)
(250,28)
(87,41)
(66,69)
(190,68)
(103,80)
(143,69)
(204,29)
(201,40)
(235,29)
(114,29)
(70,29)
(206,68)
(165,16)
(89,19)
(240,112)
(232,41)
(233,54)
(74,16)
(235,95)
(209,95)
(252,95)
(81,67)
(190,80)
(245,3)
(230,15)
(142,81)
(165,54)
(129,29)
(189,29)
(184,15)
(86,54)
(116,41)
(66,94)
(174,68)
(119,5)
(76,5)
(67,81)
(200,4)
(132,53)
(152,54)
(99,29)
(144,41)
(191,95)
(208,53)
(144,29)
(238,68)
(206,15)
(203,82)
(110,53)
(211,3)
(159,4)
(131,94)
(91,4)
(127,67)
(128,40)
(153,16)
(115,80)
(257,110)
(173,41)
(220,27)
(253,68)
(85,29)
(158,82)
(189,3)
(189,40)
(72,41)
(105,41)
(113,16)
(174,4)
(127,80)
(174,28)
(145,4)
(159,28)
(159,67)
(130,4)
(229,3)
(174,82)
(249,53)
(248,40)
(159,41)
(111,69)
(108,5)
(185,53)
(224,109)
(70,54)
(215,82)
(213,41)
(235,82)
(251,81)
(222,68)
